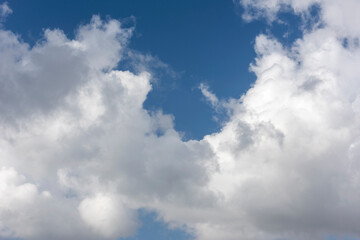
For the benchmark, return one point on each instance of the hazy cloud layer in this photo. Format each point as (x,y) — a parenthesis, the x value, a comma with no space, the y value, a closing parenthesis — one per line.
(76,142)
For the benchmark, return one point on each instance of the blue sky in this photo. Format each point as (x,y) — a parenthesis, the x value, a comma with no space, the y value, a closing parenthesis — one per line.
(86,139)
(201,41)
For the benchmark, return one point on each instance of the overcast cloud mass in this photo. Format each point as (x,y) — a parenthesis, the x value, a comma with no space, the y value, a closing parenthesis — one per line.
(79,155)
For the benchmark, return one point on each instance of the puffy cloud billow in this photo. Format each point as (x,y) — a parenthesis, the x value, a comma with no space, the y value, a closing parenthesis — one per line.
(79,155)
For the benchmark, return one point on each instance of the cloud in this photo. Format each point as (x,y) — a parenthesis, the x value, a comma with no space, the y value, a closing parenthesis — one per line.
(210,97)
(255,9)
(76,142)
(18,196)
(5,10)
(287,168)
(106,215)
(77,128)
(339,17)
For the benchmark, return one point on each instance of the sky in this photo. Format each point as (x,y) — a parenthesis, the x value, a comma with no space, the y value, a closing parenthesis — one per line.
(204,120)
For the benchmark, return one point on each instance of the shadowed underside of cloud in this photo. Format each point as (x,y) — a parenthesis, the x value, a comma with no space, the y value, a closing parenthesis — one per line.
(79,155)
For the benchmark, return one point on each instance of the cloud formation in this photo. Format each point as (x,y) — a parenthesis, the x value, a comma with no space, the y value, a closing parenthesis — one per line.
(76,142)
(5,10)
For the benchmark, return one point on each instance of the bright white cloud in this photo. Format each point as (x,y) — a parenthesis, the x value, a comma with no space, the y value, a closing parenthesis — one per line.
(105,215)
(76,142)
(287,164)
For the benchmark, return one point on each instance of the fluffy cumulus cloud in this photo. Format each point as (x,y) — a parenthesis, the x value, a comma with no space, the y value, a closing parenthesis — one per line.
(288,157)
(79,155)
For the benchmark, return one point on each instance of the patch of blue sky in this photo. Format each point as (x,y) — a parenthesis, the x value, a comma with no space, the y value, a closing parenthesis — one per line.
(290,26)
(153,228)
(202,41)
(333,237)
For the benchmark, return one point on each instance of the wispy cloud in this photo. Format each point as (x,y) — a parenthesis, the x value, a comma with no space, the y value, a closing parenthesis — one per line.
(5,10)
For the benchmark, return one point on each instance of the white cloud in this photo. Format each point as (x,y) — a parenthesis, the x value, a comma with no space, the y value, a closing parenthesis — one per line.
(29,212)
(5,10)
(341,17)
(105,215)
(286,158)
(210,97)
(269,9)
(76,142)
(76,127)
